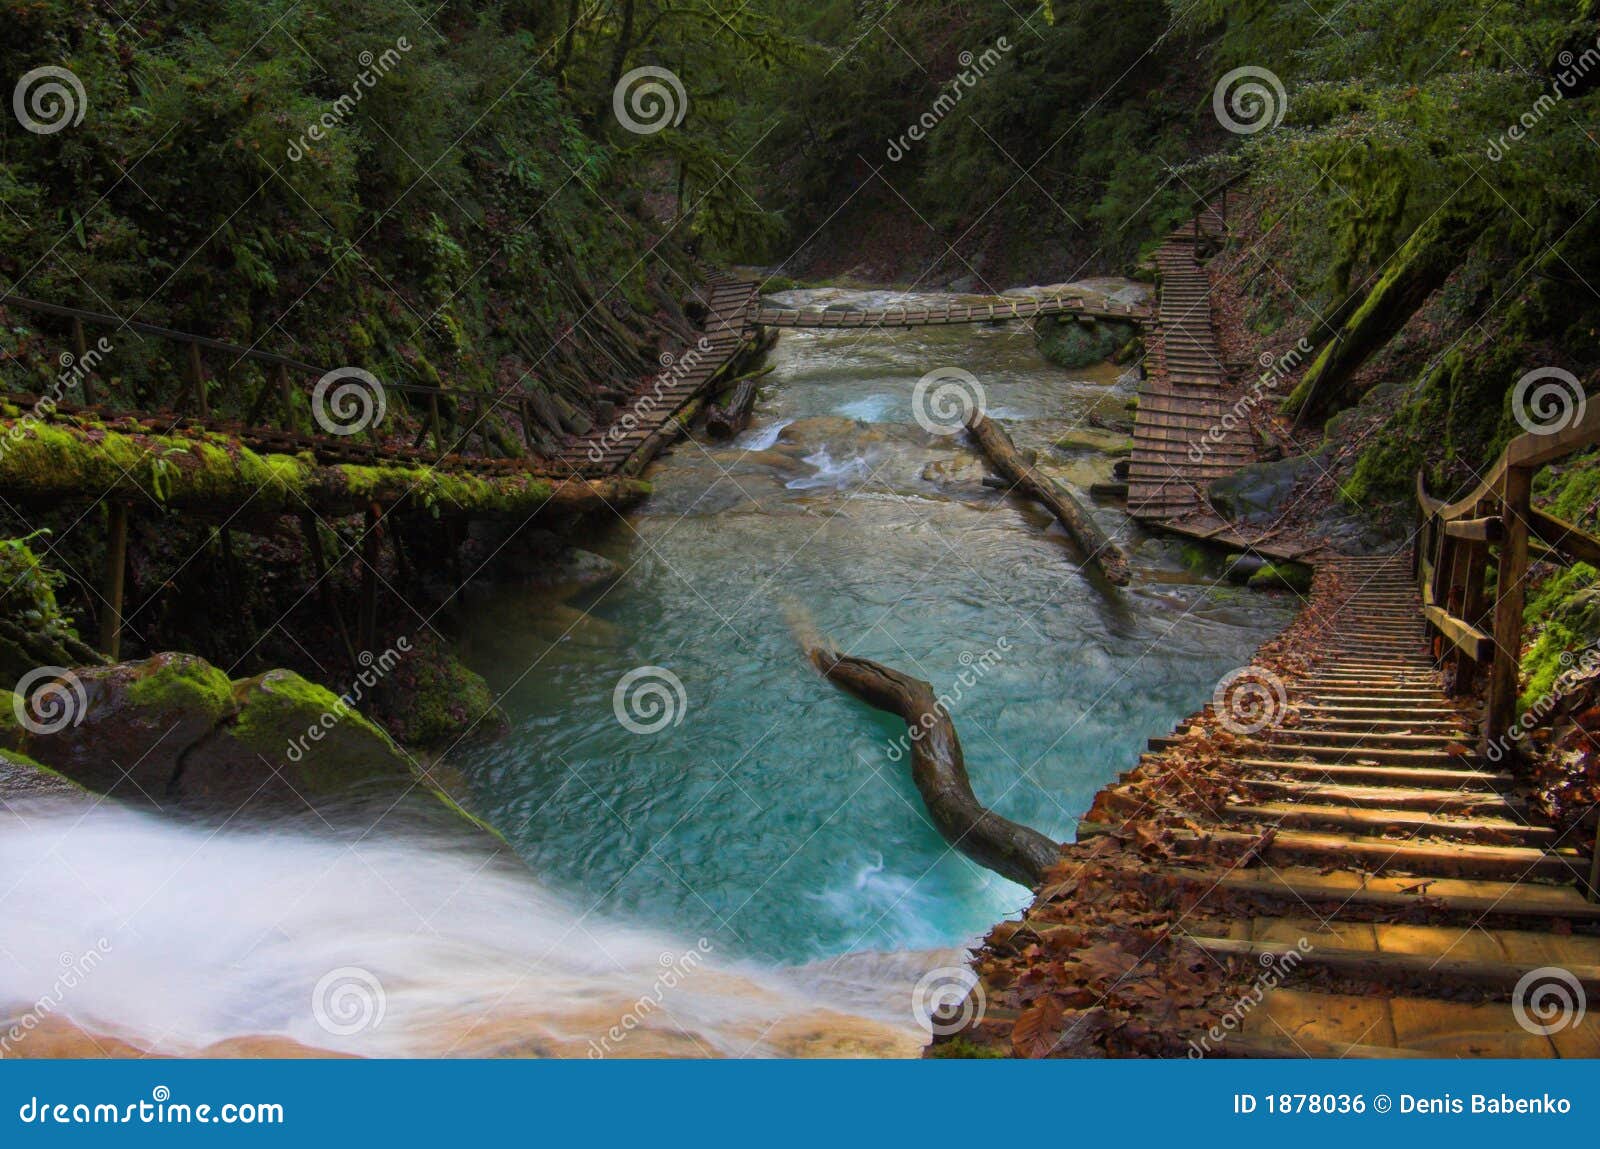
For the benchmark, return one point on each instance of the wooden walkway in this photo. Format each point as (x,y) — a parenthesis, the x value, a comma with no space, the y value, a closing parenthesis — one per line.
(1186,433)
(642,424)
(1394,884)
(998,311)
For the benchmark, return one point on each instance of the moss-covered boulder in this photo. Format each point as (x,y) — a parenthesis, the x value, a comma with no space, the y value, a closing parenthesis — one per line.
(120,729)
(1071,342)
(1283,576)
(23,779)
(174,732)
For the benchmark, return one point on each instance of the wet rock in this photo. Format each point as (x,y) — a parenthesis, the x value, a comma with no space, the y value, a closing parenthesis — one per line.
(22,778)
(1102,442)
(172,730)
(1283,576)
(1241,568)
(1077,342)
(128,722)
(1261,490)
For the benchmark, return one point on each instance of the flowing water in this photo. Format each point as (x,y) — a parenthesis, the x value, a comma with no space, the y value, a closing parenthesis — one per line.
(697,804)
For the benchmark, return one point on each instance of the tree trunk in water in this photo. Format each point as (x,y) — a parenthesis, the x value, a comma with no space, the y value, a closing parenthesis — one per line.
(728,417)
(939,770)
(1418,269)
(1002,452)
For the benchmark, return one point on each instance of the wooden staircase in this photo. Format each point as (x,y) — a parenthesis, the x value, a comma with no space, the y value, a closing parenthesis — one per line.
(1365,803)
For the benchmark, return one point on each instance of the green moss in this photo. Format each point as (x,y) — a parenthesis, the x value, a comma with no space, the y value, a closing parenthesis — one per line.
(1074,342)
(1282,576)
(961,1047)
(1563,612)
(187,684)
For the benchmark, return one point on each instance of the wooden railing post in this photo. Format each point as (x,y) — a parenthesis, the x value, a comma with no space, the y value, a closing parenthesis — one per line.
(285,395)
(1476,561)
(80,352)
(197,382)
(1515,494)
(113,583)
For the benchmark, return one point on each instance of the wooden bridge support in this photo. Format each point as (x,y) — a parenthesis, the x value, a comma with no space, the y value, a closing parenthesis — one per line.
(113,583)
(371,545)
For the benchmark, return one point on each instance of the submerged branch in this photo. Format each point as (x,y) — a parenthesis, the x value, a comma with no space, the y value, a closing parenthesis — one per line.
(992,439)
(939,770)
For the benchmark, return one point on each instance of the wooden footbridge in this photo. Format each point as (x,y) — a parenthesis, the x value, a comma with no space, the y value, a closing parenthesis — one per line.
(1191,427)
(994,311)
(1360,862)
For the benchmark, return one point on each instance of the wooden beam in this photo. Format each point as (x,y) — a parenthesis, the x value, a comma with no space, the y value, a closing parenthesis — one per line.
(1560,535)
(1490,529)
(1462,635)
(1510,593)
(113,584)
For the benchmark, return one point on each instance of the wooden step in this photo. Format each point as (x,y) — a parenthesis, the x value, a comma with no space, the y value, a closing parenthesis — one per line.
(1380,775)
(1304,887)
(1426,858)
(1429,798)
(1308,745)
(1378,822)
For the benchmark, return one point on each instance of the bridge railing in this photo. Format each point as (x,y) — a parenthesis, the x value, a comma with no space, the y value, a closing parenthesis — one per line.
(444,418)
(1476,627)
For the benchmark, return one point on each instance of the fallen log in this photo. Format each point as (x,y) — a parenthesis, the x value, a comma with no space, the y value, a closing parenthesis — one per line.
(728,417)
(939,770)
(992,439)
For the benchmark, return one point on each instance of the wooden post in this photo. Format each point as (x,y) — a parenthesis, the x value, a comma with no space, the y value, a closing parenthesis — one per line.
(435,423)
(370,543)
(285,395)
(1516,490)
(116,568)
(197,382)
(1472,606)
(80,352)
(330,599)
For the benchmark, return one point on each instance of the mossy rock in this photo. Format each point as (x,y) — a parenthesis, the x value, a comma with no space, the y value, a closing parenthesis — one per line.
(1260,490)
(173,731)
(1283,576)
(1241,568)
(1102,442)
(1073,342)
(128,723)
(21,778)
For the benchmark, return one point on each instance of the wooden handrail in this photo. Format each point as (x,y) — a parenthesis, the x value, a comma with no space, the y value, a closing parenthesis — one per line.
(277,385)
(1452,559)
